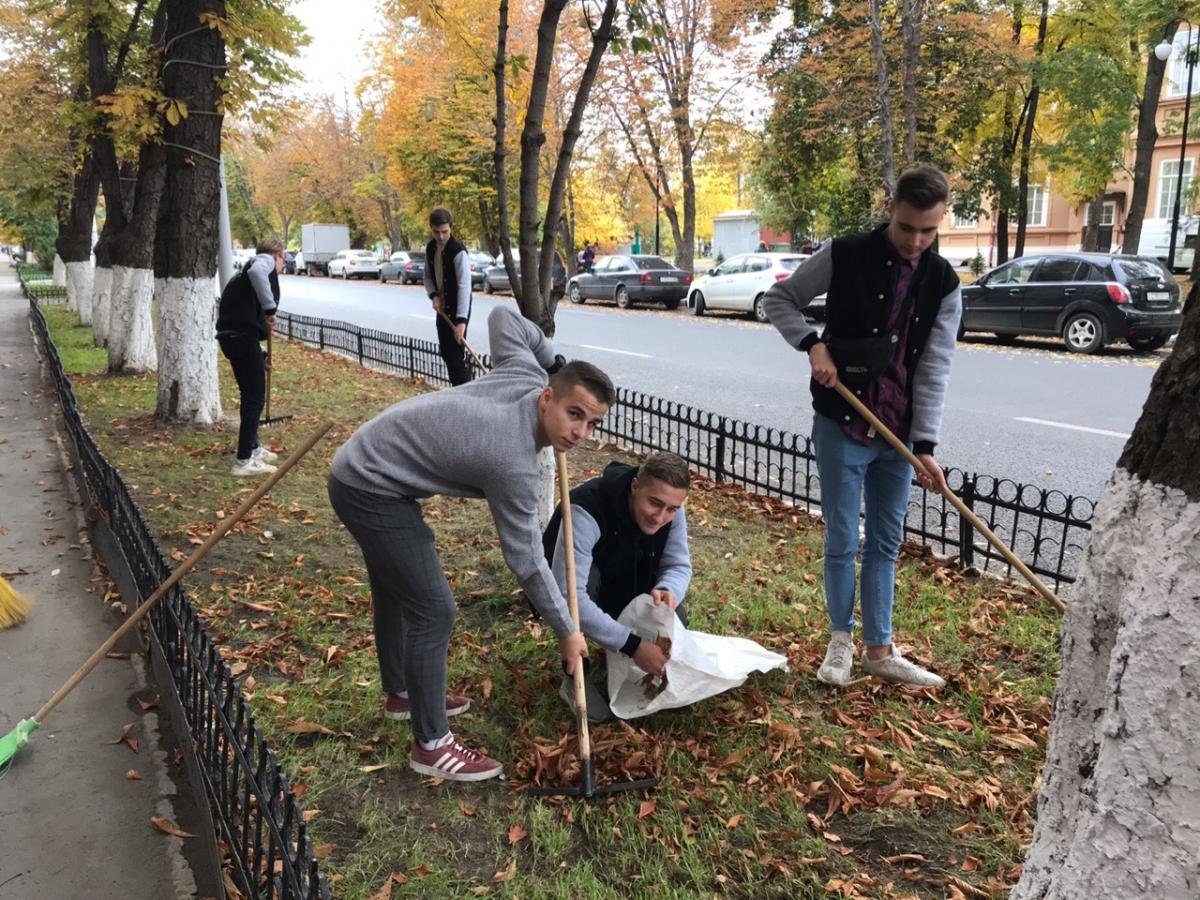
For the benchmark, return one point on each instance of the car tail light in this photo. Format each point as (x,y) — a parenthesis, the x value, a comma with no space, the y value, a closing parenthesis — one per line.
(779,276)
(1118,293)
(645,279)
(408,267)
(687,277)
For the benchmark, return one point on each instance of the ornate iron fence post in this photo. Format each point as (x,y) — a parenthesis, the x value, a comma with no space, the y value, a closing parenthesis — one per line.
(966,532)
(289,321)
(321,334)
(358,335)
(722,435)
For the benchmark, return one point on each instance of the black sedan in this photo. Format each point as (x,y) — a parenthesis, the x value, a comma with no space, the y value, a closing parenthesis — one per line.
(1088,299)
(495,277)
(629,279)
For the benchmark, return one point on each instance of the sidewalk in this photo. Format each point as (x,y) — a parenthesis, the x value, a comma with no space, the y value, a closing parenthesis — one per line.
(72,824)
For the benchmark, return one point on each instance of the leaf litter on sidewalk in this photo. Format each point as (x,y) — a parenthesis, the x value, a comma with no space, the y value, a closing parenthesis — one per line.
(780,789)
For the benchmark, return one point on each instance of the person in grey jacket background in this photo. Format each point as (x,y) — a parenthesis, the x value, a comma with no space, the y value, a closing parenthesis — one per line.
(892,315)
(245,316)
(480,440)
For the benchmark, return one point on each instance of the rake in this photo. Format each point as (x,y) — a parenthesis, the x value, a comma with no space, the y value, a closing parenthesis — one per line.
(12,742)
(267,418)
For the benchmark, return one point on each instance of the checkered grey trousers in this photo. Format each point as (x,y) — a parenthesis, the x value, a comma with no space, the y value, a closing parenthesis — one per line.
(414,608)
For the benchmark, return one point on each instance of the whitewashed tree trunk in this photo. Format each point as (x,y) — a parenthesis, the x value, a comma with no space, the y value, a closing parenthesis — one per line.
(188,389)
(547,494)
(130,332)
(79,289)
(58,273)
(101,304)
(1119,810)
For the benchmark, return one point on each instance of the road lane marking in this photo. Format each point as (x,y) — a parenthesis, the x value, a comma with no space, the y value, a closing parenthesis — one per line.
(1104,431)
(622,352)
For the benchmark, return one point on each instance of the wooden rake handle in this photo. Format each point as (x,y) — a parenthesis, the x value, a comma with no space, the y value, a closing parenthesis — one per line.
(568,536)
(182,569)
(976,522)
(474,355)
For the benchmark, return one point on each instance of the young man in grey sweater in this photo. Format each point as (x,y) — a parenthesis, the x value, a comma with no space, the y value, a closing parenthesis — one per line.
(892,314)
(478,440)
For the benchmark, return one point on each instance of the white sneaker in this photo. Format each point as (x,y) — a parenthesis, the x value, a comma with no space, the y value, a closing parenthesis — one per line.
(898,670)
(597,707)
(251,466)
(839,657)
(262,454)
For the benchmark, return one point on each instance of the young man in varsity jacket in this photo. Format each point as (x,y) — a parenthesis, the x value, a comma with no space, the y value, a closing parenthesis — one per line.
(630,537)
(892,314)
(244,317)
(448,284)
(480,440)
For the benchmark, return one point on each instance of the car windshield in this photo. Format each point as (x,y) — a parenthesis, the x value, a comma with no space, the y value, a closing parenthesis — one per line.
(1136,269)
(417,256)
(652,262)
(791,264)
(481,258)
(363,254)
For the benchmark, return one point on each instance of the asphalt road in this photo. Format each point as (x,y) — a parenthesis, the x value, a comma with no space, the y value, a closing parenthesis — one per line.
(1029,412)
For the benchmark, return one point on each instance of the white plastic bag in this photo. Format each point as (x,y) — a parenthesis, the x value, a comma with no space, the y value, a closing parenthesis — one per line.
(700,665)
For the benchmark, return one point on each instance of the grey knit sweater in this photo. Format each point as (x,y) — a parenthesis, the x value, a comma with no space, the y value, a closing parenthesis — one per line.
(479,439)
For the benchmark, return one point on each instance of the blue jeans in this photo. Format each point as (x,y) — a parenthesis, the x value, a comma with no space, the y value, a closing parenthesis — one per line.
(849,469)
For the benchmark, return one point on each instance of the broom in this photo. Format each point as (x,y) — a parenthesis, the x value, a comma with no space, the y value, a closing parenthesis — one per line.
(14,607)
(12,742)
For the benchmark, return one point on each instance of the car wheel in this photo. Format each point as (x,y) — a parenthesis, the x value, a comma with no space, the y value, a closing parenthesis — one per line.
(382,280)
(757,311)
(1008,339)
(697,304)
(671,305)
(1083,333)
(1148,344)
(487,286)
(622,297)
(345,275)
(576,295)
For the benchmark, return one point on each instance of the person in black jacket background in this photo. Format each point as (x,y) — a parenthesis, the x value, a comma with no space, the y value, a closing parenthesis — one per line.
(244,318)
(448,283)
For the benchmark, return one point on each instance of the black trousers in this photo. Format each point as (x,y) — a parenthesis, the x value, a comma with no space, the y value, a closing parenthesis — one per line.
(454,353)
(248,361)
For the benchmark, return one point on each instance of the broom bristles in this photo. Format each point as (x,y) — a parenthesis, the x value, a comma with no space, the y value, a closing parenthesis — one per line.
(13,606)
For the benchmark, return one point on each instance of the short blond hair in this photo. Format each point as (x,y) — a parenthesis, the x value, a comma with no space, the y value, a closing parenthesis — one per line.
(269,246)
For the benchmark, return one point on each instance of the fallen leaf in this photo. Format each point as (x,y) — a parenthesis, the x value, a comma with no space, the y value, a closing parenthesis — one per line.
(375,768)
(422,869)
(508,874)
(646,808)
(733,822)
(516,833)
(130,742)
(166,826)
(385,892)
(133,775)
(148,704)
(467,810)
(323,851)
(301,726)
(54,572)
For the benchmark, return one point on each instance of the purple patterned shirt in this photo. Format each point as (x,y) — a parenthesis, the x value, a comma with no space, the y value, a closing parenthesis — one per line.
(887,396)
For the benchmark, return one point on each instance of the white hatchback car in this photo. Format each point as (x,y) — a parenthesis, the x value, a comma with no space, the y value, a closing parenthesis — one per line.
(740,282)
(354,264)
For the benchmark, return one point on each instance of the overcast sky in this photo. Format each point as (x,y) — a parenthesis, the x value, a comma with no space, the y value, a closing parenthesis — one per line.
(336,59)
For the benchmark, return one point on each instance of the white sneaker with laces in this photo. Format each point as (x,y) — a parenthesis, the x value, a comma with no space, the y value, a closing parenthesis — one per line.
(839,657)
(251,466)
(262,454)
(898,670)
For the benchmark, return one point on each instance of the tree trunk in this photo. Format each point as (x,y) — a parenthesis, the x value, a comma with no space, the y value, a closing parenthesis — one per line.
(887,138)
(1027,136)
(910,19)
(58,272)
(76,221)
(1117,814)
(1091,230)
(1002,236)
(186,242)
(1147,137)
(102,284)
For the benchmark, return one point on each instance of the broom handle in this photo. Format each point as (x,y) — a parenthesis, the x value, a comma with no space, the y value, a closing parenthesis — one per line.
(270,364)
(474,355)
(564,496)
(184,567)
(978,523)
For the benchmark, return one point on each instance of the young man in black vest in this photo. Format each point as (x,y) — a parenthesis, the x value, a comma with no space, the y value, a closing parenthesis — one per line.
(892,315)
(244,317)
(448,283)
(630,536)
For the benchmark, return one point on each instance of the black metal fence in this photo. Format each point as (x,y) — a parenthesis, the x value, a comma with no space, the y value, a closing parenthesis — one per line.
(249,794)
(1047,529)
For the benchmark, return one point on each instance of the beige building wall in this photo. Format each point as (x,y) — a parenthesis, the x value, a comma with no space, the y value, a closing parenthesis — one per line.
(1058,224)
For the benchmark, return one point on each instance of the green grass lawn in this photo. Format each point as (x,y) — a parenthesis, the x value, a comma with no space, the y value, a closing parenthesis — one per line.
(783,788)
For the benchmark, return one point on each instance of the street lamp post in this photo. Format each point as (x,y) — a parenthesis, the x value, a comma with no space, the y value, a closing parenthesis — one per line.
(1163,52)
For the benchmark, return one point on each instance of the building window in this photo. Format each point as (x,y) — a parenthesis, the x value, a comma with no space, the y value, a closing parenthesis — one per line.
(1177,74)
(1168,184)
(961,221)
(1035,207)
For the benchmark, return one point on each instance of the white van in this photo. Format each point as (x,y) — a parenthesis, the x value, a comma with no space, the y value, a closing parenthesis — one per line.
(1156,240)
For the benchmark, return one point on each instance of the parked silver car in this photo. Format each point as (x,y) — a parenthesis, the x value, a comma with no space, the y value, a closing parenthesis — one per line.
(740,282)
